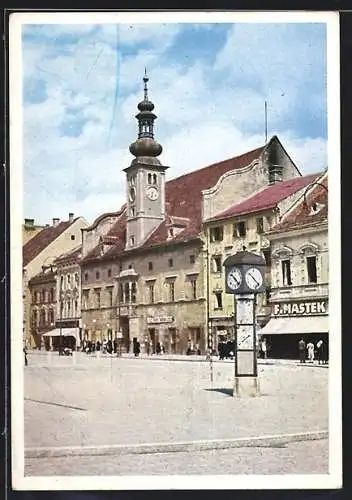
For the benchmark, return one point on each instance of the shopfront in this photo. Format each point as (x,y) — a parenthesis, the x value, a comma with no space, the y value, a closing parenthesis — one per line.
(294,320)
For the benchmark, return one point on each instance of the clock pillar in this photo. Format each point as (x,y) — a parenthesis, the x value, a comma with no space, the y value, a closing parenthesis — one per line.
(145,178)
(244,272)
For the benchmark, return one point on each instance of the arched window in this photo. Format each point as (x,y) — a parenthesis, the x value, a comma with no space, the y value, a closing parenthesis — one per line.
(149,178)
(154,179)
(34,318)
(62,283)
(76,279)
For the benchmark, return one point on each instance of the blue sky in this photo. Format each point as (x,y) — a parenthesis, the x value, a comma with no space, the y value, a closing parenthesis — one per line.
(82,84)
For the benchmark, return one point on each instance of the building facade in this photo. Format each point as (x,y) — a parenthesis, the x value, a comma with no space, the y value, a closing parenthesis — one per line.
(145,268)
(42,250)
(243,225)
(300,274)
(42,290)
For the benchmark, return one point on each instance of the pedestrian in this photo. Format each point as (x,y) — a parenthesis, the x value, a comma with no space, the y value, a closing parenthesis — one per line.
(310,349)
(324,353)
(25,356)
(302,351)
(158,348)
(115,346)
(263,348)
(320,352)
(98,345)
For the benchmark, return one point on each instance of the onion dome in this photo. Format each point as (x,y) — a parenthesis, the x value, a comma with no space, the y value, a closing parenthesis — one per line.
(145,146)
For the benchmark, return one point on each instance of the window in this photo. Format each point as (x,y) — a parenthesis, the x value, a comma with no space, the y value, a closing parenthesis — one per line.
(192,259)
(51,317)
(127,292)
(133,292)
(76,279)
(194,288)
(133,211)
(97,275)
(218,300)
(312,269)
(154,179)
(216,233)
(151,292)
(171,262)
(149,178)
(286,272)
(109,273)
(150,266)
(217,264)
(171,291)
(260,225)
(73,237)
(43,295)
(130,266)
(75,311)
(267,257)
(69,308)
(34,319)
(110,291)
(171,232)
(42,319)
(97,299)
(239,229)
(38,297)
(121,297)
(131,240)
(85,277)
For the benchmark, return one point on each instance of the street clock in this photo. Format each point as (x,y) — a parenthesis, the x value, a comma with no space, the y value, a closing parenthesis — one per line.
(244,273)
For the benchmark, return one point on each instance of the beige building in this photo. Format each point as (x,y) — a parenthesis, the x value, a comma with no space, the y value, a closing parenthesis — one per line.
(243,225)
(145,267)
(42,290)
(29,229)
(42,250)
(300,273)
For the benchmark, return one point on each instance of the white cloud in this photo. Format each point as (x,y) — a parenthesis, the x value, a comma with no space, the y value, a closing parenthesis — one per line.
(201,118)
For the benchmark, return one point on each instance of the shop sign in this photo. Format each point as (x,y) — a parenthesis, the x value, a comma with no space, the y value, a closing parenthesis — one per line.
(308,308)
(159,319)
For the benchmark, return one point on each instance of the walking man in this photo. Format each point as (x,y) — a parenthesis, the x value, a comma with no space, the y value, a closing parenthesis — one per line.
(302,351)
(25,356)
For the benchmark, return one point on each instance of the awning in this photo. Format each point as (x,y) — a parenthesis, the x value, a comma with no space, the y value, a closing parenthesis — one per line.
(64,332)
(298,325)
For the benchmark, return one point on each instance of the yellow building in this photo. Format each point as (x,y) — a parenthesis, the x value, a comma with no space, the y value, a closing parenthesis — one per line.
(243,225)
(42,250)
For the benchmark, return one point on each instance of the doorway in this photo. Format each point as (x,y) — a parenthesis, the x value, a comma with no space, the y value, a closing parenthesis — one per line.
(125,329)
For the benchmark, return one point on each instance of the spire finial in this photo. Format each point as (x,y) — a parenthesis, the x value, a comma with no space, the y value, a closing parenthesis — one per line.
(145,79)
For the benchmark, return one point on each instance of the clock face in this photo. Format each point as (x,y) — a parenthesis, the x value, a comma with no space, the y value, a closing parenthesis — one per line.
(254,278)
(152,193)
(132,194)
(234,278)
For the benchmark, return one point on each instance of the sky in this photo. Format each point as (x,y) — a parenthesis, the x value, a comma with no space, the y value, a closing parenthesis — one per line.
(209,83)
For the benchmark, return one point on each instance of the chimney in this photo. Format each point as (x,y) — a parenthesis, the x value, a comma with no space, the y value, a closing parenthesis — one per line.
(71,216)
(56,221)
(29,222)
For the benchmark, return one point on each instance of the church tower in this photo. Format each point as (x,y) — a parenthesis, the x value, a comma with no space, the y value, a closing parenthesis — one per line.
(145,178)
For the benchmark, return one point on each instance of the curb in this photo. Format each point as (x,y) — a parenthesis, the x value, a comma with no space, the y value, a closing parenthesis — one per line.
(170,447)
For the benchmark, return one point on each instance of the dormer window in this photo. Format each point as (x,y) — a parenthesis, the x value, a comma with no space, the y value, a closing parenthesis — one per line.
(132,240)
(171,232)
(315,208)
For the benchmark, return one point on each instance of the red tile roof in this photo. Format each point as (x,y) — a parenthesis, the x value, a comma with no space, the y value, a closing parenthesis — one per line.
(41,240)
(302,213)
(183,197)
(266,199)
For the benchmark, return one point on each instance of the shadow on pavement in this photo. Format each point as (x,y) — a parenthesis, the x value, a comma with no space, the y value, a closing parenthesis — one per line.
(223,390)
